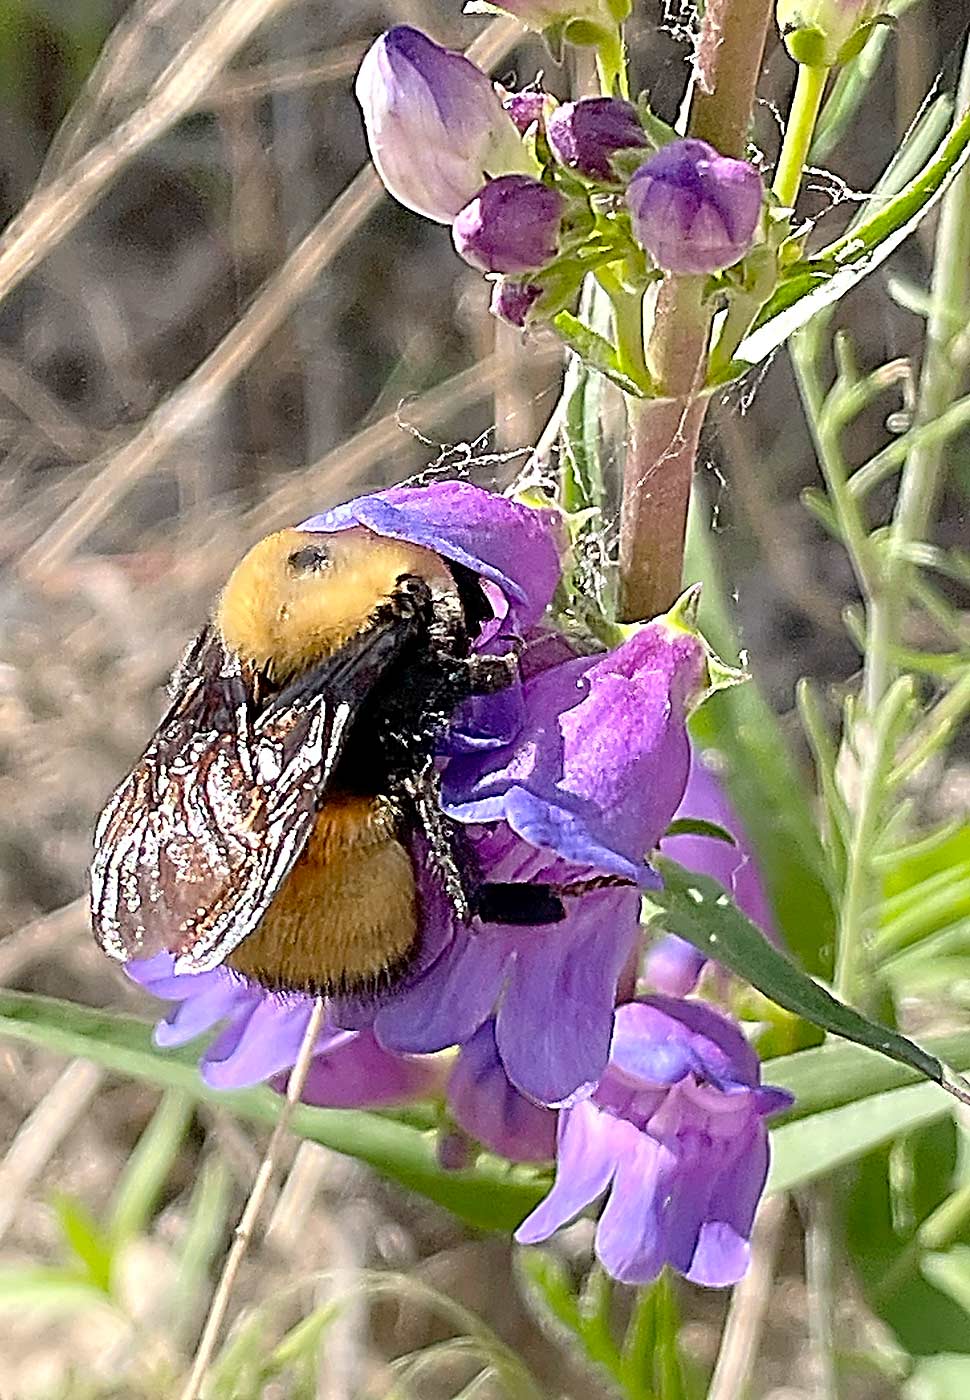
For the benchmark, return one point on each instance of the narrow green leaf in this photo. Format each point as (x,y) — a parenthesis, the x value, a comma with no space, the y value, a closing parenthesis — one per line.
(700,910)
(838,1073)
(836,268)
(207,1228)
(810,1148)
(697,826)
(597,352)
(147,1169)
(29,1287)
(896,1195)
(757,766)
(86,1240)
(491,1195)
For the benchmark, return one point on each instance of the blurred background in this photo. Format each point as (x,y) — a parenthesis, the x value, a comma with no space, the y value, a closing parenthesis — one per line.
(209,354)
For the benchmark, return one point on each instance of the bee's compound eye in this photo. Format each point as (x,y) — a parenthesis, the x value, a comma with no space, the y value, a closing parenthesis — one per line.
(311,559)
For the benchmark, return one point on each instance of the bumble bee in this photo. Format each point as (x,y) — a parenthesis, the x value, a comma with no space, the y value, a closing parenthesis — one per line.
(271,821)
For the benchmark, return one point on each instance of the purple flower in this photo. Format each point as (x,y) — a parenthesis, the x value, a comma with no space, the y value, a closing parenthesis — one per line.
(675,1133)
(693,210)
(601,763)
(512,225)
(512,300)
(555,985)
(574,777)
(262,1034)
(491,1110)
(513,547)
(585,789)
(435,125)
(585,135)
(672,964)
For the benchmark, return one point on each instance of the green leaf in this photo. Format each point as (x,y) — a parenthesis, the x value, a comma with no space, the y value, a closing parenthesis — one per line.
(836,268)
(761,776)
(86,1240)
(28,1287)
(939,1378)
(700,910)
(597,352)
(809,1148)
(697,826)
(206,1231)
(148,1167)
(838,1073)
(491,1195)
(897,1199)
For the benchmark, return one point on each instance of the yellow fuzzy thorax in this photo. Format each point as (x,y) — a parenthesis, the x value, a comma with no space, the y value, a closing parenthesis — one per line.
(285,620)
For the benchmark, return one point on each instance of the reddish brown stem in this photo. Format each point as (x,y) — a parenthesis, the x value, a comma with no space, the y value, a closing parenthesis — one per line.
(663,436)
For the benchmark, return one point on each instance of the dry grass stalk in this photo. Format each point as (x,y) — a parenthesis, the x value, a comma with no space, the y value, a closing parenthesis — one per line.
(247,1222)
(41,936)
(58,206)
(42,1132)
(353,458)
(196,395)
(285,75)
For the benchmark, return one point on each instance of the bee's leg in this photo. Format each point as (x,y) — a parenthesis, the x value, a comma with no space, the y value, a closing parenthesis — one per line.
(516,904)
(489,674)
(439,831)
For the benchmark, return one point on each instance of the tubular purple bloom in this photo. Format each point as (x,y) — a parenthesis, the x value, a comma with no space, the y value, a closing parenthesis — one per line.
(512,225)
(555,985)
(513,300)
(512,546)
(262,1034)
(675,1132)
(601,763)
(435,125)
(586,788)
(491,1110)
(673,965)
(585,135)
(693,210)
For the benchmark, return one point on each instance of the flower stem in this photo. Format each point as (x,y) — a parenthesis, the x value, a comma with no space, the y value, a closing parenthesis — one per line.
(662,436)
(805,107)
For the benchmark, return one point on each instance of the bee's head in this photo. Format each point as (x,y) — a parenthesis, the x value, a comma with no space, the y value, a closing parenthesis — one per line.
(297,597)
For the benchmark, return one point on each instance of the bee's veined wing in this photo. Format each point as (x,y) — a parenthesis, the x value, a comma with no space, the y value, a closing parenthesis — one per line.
(194,844)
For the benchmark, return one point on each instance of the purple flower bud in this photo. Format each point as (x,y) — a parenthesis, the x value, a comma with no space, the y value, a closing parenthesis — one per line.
(435,125)
(512,225)
(585,135)
(512,301)
(526,108)
(694,210)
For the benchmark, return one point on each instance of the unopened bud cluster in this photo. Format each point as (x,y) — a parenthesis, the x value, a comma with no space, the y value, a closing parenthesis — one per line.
(527,183)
